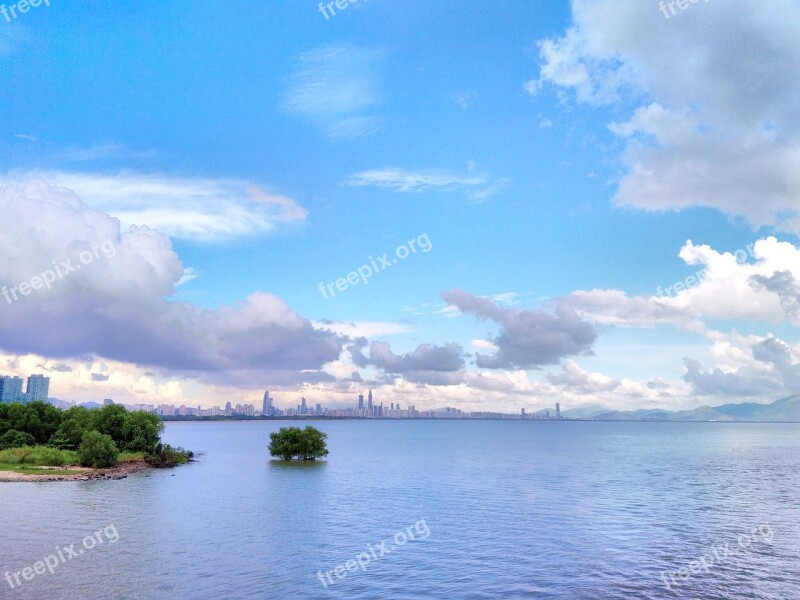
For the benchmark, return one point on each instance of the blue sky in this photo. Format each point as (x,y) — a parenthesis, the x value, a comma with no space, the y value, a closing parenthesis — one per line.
(552,152)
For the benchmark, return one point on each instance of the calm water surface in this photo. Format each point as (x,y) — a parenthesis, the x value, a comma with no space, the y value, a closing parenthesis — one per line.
(513,510)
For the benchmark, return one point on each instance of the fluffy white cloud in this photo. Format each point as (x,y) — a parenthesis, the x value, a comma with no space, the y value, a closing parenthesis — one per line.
(746,366)
(116,304)
(759,283)
(713,92)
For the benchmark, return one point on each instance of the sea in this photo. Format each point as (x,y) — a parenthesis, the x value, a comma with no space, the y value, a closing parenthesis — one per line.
(413,509)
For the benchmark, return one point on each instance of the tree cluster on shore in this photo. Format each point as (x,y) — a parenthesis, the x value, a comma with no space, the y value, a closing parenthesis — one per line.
(97,436)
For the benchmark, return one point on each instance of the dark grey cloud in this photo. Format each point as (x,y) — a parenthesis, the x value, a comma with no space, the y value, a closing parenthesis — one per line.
(528,338)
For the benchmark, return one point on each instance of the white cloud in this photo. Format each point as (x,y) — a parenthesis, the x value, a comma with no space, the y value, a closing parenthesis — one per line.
(119,307)
(478,187)
(337,88)
(732,286)
(712,92)
(197,209)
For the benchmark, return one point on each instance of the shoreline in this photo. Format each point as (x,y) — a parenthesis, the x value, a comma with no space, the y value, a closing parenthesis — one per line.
(120,471)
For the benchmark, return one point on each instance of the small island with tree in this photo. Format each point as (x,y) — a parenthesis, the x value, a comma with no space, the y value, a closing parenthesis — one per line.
(302,444)
(41,442)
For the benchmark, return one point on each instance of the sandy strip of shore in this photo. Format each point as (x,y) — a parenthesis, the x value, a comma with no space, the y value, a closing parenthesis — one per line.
(121,471)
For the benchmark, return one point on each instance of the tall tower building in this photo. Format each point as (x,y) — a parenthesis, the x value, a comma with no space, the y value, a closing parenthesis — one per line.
(361,402)
(558,410)
(38,388)
(10,389)
(266,409)
(303,407)
(369,400)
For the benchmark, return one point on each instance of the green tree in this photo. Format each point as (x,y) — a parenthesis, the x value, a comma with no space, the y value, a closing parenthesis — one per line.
(76,421)
(110,420)
(16,439)
(141,432)
(97,450)
(291,442)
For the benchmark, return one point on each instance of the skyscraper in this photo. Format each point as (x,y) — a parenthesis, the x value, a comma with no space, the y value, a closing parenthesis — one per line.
(10,389)
(267,407)
(38,388)
(558,410)
(303,407)
(369,400)
(361,402)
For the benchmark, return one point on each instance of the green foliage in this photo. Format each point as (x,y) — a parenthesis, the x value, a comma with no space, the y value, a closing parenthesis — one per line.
(96,435)
(291,442)
(141,432)
(166,457)
(15,439)
(97,450)
(39,419)
(75,421)
(110,420)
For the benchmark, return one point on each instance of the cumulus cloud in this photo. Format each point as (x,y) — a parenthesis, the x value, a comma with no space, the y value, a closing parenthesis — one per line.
(580,381)
(712,98)
(527,338)
(118,305)
(201,210)
(428,364)
(757,284)
(337,88)
(746,366)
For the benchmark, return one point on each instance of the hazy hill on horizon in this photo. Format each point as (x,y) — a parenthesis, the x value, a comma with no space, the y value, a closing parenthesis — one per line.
(783,410)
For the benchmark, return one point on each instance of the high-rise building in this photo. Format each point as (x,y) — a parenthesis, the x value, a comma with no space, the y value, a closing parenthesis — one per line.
(558,410)
(38,388)
(361,402)
(267,407)
(319,409)
(369,400)
(303,407)
(10,389)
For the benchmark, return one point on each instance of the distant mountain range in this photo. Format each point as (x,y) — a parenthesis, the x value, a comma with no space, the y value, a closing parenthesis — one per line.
(786,409)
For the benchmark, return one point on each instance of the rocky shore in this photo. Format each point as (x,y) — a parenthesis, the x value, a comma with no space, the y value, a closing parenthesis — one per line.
(121,471)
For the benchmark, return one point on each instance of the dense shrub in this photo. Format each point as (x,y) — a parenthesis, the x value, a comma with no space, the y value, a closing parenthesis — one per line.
(166,456)
(97,450)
